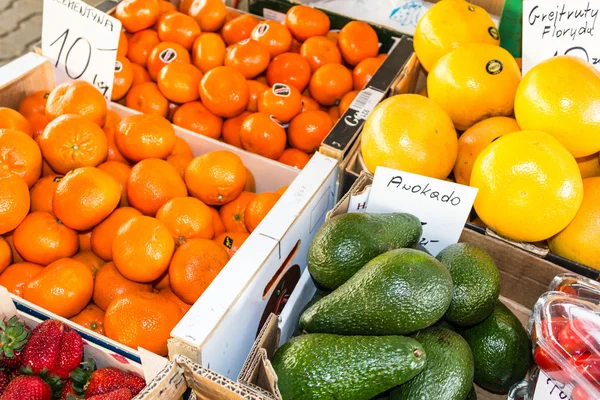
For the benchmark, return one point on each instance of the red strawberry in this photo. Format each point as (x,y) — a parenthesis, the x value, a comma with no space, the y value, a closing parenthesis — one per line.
(55,347)
(93,382)
(4,380)
(120,394)
(13,338)
(27,387)
(67,390)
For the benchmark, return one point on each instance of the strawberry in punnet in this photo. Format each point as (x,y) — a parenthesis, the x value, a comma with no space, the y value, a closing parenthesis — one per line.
(27,387)
(92,382)
(13,338)
(55,347)
(68,390)
(4,380)
(121,394)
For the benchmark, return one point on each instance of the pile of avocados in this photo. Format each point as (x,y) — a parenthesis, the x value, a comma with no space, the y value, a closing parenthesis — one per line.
(393,322)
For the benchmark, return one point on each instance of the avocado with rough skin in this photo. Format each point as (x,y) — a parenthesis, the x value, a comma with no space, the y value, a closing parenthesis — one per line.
(345,243)
(332,367)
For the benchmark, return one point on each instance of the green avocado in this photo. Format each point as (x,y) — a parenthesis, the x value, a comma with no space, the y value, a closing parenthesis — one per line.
(345,243)
(501,350)
(328,367)
(399,292)
(449,371)
(476,283)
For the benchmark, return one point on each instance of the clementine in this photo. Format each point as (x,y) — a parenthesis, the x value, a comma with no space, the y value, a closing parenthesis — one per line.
(77,97)
(258,209)
(195,117)
(187,218)
(42,192)
(91,317)
(18,275)
(144,136)
(19,156)
(208,52)
(110,284)
(224,92)
(232,213)
(263,135)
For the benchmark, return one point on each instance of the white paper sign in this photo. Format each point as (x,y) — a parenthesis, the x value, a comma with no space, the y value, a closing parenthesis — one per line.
(443,207)
(559,27)
(81,42)
(547,389)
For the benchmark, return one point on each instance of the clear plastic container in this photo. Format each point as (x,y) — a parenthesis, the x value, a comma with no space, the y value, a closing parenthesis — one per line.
(566,339)
(577,285)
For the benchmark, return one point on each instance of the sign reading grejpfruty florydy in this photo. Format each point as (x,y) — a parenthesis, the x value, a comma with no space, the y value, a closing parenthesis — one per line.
(553,28)
(443,207)
(81,42)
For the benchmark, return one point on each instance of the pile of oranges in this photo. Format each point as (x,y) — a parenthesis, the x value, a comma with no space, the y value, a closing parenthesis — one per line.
(270,88)
(114,223)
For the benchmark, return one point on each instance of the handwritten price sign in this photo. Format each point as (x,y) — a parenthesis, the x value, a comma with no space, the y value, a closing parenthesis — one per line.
(81,42)
(560,27)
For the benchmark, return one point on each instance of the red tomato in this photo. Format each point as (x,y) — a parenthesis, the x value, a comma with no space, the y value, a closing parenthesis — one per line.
(571,340)
(580,394)
(568,289)
(588,365)
(544,360)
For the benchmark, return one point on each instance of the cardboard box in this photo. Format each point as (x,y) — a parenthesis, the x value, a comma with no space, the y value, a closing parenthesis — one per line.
(247,290)
(524,277)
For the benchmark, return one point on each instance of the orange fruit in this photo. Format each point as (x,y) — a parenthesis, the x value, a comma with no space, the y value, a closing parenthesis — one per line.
(219,226)
(38,123)
(364,71)
(16,257)
(578,240)
(291,69)
(318,51)
(42,238)
(144,136)
(472,142)
(249,57)
(261,79)
(178,28)
(255,89)
(258,209)
(294,158)
(19,156)
(123,78)
(110,284)
(231,241)
(308,129)
(250,182)
(334,114)
(85,240)
(262,135)
(210,14)
(90,259)
(136,15)
(394,130)
(64,287)
(42,192)
(305,22)
(34,103)
(238,29)
(589,166)
(142,320)
(123,45)
(113,153)
(140,46)
(147,99)
(232,128)
(71,141)
(232,213)
(18,275)
(208,52)
(275,36)
(162,282)
(120,171)
(357,41)
(216,178)
(184,6)
(168,293)
(104,233)
(91,317)
(347,100)
(84,197)
(194,266)
(152,183)
(140,75)
(195,117)
(179,82)
(330,83)
(282,101)
(529,186)
(5,254)
(77,97)
(224,92)
(166,53)
(187,218)
(11,119)
(180,162)
(112,119)
(142,241)
(281,190)
(308,103)
(182,148)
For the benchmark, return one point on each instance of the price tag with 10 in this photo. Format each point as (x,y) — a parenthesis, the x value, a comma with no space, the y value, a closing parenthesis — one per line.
(81,42)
